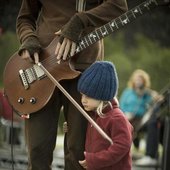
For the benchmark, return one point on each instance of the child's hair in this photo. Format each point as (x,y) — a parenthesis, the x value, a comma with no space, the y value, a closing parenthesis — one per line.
(101,106)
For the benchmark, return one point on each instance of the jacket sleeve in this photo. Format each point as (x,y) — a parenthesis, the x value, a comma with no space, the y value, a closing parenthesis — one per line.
(26,20)
(121,134)
(103,13)
(93,18)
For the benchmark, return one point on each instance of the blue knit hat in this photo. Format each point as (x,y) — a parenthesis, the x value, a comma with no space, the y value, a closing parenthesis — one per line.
(99,81)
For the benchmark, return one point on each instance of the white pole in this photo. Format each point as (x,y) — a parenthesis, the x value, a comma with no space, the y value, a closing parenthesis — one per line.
(75,103)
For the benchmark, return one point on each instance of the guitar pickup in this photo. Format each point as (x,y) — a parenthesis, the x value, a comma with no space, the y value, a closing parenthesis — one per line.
(39,73)
(24,79)
(30,75)
(34,73)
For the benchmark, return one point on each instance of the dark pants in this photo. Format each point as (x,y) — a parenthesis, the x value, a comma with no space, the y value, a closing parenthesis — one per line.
(41,131)
(152,140)
(155,130)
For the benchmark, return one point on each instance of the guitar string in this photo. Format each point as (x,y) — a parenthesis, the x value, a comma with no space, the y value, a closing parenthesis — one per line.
(52,63)
(52,60)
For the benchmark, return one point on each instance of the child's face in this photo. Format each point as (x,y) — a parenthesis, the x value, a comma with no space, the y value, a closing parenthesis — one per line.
(89,103)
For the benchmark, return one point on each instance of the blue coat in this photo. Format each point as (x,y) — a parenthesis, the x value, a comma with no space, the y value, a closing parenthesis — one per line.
(131,102)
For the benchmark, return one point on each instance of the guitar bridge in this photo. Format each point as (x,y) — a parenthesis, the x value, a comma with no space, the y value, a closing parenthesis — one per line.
(24,79)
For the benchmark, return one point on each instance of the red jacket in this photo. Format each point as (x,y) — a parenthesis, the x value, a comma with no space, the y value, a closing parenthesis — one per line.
(100,155)
(5,108)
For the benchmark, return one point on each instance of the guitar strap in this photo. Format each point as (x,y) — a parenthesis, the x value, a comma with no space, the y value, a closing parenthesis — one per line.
(80,5)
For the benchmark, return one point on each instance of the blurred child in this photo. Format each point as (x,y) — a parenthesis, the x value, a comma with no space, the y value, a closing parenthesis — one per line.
(98,85)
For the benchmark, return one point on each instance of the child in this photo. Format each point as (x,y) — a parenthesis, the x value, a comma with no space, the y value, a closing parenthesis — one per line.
(98,85)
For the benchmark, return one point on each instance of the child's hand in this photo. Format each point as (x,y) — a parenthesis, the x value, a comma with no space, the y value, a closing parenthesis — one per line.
(83,164)
(65,127)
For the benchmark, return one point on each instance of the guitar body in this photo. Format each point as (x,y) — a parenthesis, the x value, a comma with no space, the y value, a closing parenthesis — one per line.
(30,96)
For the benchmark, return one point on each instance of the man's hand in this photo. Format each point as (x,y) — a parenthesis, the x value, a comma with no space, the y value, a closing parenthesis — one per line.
(64,49)
(26,55)
(30,48)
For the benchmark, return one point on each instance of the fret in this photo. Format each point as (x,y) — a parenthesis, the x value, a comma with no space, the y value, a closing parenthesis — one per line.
(124,19)
(140,10)
(130,15)
(108,28)
(77,49)
(116,24)
(150,4)
(119,22)
(112,25)
(103,32)
(80,47)
(127,17)
(93,35)
(147,6)
(82,43)
(137,12)
(133,12)
(96,31)
(89,39)
(85,42)
(99,33)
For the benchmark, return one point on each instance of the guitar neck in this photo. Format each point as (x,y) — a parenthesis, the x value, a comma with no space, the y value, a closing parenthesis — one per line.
(115,24)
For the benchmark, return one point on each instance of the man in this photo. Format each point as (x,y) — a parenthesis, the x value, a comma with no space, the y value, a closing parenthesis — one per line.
(37,23)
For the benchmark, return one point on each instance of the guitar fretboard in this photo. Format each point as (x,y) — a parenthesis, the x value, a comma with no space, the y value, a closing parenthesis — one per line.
(115,24)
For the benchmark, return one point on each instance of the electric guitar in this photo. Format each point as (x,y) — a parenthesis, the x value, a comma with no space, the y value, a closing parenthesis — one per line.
(26,85)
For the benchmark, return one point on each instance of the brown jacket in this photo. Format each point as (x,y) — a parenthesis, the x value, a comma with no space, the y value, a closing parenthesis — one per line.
(42,18)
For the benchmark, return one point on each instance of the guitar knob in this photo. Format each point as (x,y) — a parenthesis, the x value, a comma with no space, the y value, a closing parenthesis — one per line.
(21,100)
(33,100)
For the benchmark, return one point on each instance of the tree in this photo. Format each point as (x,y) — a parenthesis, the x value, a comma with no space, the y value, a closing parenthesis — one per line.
(8,13)
(153,24)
